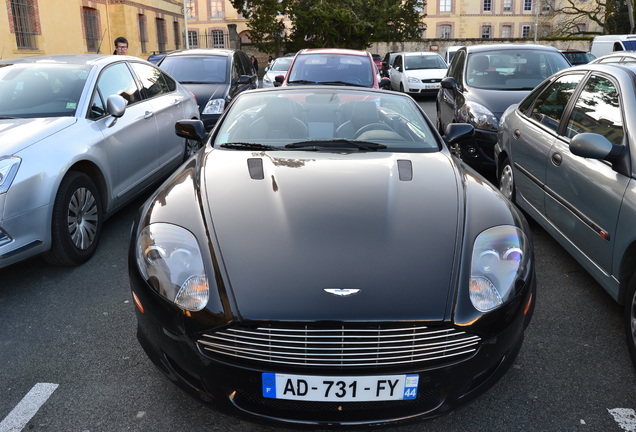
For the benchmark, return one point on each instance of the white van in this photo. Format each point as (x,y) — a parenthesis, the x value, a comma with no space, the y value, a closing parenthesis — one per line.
(450,52)
(606,44)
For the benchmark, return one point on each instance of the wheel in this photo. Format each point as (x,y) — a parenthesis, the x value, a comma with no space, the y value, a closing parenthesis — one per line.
(630,319)
(191,147)
(77,221)
(507,180)
(372,126)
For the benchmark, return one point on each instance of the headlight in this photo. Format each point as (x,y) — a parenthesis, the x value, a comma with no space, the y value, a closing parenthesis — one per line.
(500,255)
(479,116)
(414,80)
(266,79)
(169,258)
(8,168)
(214,106)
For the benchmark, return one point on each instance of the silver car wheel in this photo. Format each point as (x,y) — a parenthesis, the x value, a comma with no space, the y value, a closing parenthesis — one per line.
(507,181)
(82,218)
(632,319)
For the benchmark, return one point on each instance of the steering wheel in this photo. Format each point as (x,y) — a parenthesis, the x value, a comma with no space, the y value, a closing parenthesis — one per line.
(372,126)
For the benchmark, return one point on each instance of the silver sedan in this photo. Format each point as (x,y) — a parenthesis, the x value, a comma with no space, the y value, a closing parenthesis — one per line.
(80,136)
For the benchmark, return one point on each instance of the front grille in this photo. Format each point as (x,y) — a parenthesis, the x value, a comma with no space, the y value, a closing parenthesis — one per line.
(431,80)
(344,346)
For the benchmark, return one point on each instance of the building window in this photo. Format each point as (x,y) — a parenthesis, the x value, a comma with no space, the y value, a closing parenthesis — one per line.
(143,32)
(177,35)
(486,32)
(507,6)
(216,8)
(506,31)
(193,39)
(218,40)
(445,5)
(546,7)
(527,5)
(24,23)
(525,31)
(161,34)
(581,28)
(445,31)
(91,29)
(191,9)
(487,5)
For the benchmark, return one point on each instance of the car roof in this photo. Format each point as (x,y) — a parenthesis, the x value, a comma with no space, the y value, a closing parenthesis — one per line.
(497,47)
(344,51)
(419,53)
(202,52)
(77,59)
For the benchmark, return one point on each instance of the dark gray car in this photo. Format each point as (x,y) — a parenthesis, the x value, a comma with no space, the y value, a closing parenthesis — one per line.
(482,81)
(567,156)
(214,76)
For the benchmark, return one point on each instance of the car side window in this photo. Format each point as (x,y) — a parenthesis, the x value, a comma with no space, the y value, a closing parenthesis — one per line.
(548,108)
(597,110)
(117,80)
(456,69)
(397,63)
(152,80)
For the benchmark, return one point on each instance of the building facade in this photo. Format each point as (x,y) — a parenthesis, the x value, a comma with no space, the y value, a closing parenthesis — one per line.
(33,27)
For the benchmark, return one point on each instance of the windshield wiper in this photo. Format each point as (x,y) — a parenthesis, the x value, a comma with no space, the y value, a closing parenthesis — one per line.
(301,82)
(7,117)
(336,144)
(249,146)
(345,83)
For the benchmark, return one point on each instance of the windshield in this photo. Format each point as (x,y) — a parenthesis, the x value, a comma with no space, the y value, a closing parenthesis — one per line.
(332,68)
(329,120)
(34,90)
(415,62)
(197,69)
(282,64)
(521,69)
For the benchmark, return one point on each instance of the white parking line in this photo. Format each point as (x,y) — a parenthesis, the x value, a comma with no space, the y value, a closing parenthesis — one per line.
(625,417)
(28,406)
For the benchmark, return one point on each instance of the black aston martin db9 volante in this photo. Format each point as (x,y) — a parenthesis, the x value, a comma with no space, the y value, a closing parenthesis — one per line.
(324,260)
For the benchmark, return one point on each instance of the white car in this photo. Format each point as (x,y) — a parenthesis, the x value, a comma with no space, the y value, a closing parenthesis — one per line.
(417,72)
(81,136)
(278,67)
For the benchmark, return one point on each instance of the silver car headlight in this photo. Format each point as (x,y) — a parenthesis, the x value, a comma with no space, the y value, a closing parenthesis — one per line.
(170,260)
(414,80)
(214,106)
(8,168)
(500,255)
(479,116)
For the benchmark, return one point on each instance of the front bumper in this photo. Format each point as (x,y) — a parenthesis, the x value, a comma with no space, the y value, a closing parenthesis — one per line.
(237,388)
(479,152)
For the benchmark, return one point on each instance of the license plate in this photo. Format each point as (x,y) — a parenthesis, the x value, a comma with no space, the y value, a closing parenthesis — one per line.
(341,389)
(431,86)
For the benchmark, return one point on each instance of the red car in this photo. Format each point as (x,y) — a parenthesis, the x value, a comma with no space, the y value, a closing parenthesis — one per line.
(334,66)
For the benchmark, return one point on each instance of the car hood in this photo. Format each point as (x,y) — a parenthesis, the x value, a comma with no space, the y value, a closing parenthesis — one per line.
(427,73)
(16,134)
(314,223)
(496,100)
(205,92)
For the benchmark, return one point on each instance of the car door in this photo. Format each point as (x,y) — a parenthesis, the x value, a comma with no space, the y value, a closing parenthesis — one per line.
(583,196)
(168,107)
(531,134)
(449,98)
(130,142)
(396,72)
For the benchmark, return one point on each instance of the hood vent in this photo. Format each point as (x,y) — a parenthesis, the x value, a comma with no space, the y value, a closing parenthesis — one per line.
(405,169)
(255,166)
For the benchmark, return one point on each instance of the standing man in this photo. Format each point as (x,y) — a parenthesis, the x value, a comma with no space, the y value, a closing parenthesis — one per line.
(121,46)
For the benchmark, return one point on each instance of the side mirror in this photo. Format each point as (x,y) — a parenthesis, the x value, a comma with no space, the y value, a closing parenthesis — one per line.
(449,83)
(116,107)
(593,146)
(245,79)
(278,80)
(191,129)
(457,132)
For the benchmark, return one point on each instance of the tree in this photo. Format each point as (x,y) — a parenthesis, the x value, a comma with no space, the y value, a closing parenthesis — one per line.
(330,23)
(611,16)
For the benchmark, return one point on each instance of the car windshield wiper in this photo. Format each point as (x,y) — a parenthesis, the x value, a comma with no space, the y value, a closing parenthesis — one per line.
(7,117)
(249,146)
(301,82)
(318,145)
(345,83)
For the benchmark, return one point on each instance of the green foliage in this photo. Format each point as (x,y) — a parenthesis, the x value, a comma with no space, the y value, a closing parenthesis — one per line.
(330,23)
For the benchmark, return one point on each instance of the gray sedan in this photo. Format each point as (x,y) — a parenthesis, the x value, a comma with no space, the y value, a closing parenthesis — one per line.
(80,136)
(567,156)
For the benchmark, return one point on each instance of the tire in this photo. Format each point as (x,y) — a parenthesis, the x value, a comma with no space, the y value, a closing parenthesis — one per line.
(630,319)
(507,180)
(191,147)
(77,221)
